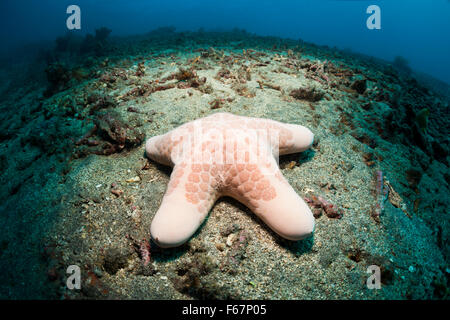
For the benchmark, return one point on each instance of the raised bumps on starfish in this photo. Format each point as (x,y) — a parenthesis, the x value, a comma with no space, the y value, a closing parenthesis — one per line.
(228,155)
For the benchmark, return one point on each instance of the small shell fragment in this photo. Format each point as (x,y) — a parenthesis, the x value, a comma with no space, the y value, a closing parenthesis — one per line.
(230,239)
(134,179)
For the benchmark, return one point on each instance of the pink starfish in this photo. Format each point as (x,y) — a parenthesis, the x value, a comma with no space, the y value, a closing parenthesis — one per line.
(228,155)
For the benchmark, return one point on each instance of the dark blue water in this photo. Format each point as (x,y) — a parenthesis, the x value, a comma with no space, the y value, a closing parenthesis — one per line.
(415,29)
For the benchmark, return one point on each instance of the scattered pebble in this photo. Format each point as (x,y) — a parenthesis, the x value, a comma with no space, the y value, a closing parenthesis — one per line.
(134,179)
(291,165)
(230,239)
(117,192)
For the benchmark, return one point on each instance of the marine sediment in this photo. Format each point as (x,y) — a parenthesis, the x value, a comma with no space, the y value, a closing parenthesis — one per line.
(76,187)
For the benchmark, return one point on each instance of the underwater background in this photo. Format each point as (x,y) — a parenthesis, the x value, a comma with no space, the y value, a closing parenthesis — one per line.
(77,106)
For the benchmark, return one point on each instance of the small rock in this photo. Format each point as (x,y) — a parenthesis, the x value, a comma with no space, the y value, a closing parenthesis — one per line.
(317,213)
(291,165)
(117,192)
(220,246)
(230,229)
(134,179)
(230,239)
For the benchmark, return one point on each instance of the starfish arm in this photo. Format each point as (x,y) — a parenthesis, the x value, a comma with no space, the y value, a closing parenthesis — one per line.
(272,199)
(294,138)
(158,149)
(183,209)
(287,214)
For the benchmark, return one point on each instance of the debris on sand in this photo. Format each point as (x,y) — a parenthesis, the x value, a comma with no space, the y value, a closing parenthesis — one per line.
(112,136)
(312,94)
(381,195)
(397,201)
(319,204)
(60,153)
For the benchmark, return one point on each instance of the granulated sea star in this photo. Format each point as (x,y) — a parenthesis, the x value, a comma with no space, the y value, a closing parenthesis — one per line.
(228,155)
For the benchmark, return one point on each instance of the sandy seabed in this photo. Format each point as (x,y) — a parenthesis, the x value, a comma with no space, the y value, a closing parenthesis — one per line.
(77,189)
